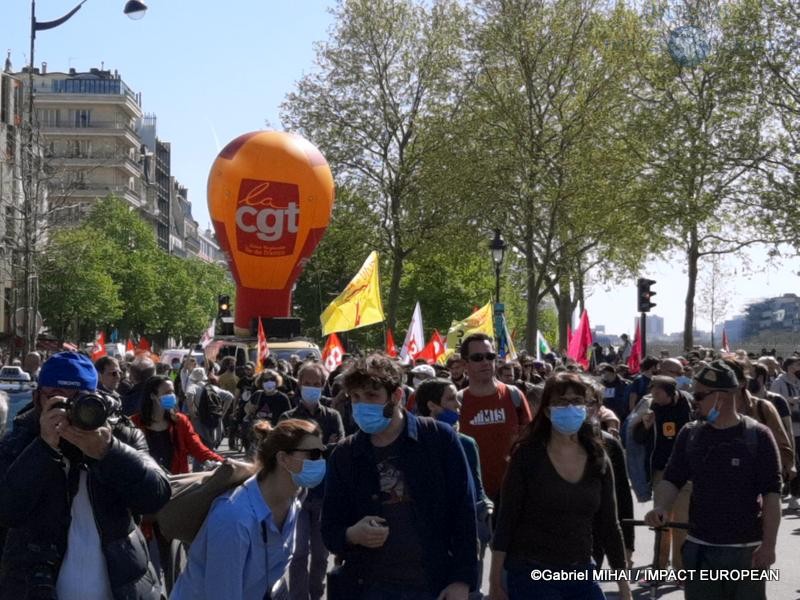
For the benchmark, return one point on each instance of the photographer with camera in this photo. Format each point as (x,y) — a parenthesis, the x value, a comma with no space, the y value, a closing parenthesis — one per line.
(73,479)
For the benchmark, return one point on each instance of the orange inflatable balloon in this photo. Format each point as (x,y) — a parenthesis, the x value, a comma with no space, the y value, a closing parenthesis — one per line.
(270,196)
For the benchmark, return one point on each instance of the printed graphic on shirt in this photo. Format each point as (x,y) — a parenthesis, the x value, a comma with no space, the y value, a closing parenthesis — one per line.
(495,416)
(668,429)
(393,484)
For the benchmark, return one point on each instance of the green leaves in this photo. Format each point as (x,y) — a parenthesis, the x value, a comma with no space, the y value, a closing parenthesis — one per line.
(110,273)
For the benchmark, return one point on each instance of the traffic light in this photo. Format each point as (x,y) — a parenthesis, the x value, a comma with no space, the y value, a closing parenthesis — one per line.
(645,295)
(223,306)
(224,315)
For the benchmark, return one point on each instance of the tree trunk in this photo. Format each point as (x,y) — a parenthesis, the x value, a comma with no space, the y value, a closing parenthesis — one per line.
(693,257)
(532,308)
(565,306)
(394,288)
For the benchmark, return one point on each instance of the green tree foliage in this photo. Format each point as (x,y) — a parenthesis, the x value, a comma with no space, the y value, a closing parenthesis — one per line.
(110,273)
(548,90)
(391,69)
(712,135)
(77,293)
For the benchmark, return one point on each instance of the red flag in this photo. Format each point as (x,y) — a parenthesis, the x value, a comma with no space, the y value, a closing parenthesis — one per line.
(99,346)
(581,343)
(391,347)
(332,352)
(433,349)
(129,346)
(635,359)
(263,349)
(144,344)
(725,344)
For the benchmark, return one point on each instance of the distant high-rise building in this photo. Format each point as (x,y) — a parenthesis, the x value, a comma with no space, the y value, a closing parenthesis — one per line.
(781,313)
(655,326)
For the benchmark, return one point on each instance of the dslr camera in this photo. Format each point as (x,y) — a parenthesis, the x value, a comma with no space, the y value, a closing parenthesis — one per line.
(87,410)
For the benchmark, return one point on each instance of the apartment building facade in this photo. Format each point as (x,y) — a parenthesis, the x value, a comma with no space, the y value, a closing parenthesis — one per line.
(88,127)
(11,198)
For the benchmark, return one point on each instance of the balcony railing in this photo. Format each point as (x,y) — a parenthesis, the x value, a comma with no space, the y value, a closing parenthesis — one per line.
(91,125)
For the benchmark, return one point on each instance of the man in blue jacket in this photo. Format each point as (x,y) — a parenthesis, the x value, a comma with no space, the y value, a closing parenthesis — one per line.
(399,504)
(70,495)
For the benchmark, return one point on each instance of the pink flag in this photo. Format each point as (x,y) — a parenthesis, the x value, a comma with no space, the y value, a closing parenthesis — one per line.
(635,357)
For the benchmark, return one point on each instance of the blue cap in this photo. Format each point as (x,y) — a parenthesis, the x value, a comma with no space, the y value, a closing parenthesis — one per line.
(68,370)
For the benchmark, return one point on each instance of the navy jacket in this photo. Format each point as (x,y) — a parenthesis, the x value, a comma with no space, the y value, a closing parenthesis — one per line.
(35,498)
(437,473)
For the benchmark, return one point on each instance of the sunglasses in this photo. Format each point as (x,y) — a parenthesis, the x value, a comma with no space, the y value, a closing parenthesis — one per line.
(313,454)
(700,396)
(479,356)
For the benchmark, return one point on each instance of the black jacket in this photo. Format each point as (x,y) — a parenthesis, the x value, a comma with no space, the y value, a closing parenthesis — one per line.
(437,474)
(35,499)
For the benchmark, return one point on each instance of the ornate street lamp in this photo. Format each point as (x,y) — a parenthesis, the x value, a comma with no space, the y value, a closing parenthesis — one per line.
(498,248)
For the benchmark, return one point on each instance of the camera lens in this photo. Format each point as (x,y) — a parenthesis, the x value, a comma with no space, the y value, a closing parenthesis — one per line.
(88,412)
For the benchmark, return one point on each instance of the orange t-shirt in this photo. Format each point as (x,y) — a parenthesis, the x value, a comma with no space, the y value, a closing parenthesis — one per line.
(494,421)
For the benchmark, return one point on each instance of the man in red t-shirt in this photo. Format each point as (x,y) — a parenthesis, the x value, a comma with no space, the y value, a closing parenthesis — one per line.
(492,412)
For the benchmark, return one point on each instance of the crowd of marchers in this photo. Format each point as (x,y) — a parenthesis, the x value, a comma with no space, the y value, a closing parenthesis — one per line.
(417,478)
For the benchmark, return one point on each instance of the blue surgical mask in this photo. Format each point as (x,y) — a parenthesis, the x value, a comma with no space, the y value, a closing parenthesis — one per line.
(369,417)
(567,419)
(683,380)
(310,395)
(448,416)
(168,401)
(713,414)
(311,475)
(269,386)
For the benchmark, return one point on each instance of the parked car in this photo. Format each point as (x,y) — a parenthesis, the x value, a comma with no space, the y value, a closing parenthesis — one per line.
(12,374)
(18,386)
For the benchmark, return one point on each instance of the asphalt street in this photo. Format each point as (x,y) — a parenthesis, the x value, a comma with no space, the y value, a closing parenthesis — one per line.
(787,564)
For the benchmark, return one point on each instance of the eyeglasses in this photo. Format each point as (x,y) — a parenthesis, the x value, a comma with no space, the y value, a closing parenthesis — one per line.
(313,453)
(479,356)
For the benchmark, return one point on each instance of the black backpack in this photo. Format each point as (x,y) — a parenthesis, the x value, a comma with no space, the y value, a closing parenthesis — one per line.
(210,407)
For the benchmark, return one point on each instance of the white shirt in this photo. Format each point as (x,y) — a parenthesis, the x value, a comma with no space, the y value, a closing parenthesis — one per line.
(83,574)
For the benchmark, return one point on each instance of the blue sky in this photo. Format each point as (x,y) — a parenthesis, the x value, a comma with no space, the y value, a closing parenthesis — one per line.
(211,71)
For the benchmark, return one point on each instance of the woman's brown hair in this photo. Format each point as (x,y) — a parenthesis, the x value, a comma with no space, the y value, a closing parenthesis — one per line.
(284,437)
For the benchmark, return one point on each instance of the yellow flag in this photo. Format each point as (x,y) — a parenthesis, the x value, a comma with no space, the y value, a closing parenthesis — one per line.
(360,302)
(481,321)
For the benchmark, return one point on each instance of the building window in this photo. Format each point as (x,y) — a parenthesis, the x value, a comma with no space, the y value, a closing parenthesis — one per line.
(81,117)
(48,117)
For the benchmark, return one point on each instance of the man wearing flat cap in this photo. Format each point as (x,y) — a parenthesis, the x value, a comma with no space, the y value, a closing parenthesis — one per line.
(72,484)
(734,510)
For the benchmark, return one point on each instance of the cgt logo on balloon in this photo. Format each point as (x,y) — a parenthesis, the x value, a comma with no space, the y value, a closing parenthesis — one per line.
(267,217)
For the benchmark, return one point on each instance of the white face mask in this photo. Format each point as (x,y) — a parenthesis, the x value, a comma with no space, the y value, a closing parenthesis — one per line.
(269,386)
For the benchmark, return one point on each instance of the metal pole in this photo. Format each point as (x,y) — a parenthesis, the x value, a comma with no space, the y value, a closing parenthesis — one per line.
(29,204)
(643,333)
(497,283)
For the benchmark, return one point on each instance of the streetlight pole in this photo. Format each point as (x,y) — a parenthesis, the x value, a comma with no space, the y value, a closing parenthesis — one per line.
(498,248)
(31,162)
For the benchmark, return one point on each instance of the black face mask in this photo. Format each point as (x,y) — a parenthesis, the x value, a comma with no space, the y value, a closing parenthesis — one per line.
(753,386)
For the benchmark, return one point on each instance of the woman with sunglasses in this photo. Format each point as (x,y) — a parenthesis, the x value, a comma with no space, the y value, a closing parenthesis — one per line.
(244,546)
(558,490)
